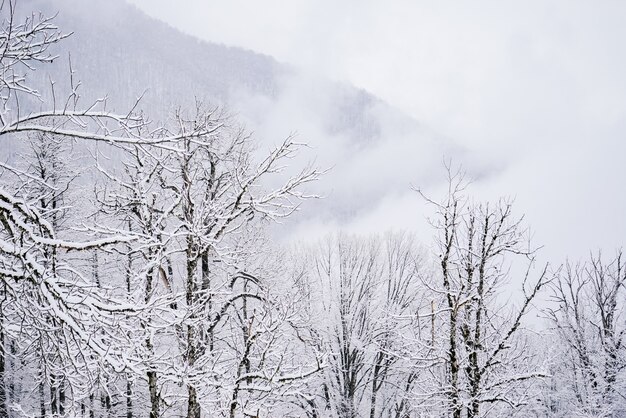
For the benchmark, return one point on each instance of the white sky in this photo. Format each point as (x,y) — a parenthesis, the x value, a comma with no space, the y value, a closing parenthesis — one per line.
(536,88)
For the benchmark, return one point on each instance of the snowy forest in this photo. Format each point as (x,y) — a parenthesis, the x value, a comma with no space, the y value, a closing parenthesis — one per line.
(141,275)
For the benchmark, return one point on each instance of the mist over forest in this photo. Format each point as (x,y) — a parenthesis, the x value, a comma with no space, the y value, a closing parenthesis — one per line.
(190,228)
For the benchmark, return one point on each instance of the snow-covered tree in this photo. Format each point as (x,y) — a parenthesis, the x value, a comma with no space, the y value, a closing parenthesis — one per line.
(486,363)
(588,318)
(364,294)
(183,224)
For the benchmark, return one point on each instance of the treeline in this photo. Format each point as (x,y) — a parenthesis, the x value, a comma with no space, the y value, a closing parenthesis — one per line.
(138,278)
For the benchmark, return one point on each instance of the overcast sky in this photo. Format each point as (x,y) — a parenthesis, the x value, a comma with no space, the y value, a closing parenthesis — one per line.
(537,89)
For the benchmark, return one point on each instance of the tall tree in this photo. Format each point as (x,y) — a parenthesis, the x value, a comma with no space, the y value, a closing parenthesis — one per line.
(201,207)
(487,364)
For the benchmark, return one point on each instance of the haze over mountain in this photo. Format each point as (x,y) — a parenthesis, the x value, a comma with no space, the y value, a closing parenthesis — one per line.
(533,90)
(374,151)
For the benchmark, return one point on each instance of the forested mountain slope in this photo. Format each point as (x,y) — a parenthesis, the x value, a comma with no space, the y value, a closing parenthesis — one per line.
(119,52)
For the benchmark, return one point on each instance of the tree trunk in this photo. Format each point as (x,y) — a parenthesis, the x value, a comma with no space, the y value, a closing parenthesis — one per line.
(375,385)
(105,403)
(53,394)
(62,398)
(129,397)
(454,369)
(3,391)
(151,373)
(153,386)
(129,269)
(42,393)
(12,396)
(193,407)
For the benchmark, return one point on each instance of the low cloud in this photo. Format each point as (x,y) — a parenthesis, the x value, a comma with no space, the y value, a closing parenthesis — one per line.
(531,95)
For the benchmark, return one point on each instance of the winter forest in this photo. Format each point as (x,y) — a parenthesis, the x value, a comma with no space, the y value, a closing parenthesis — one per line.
(143,272)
